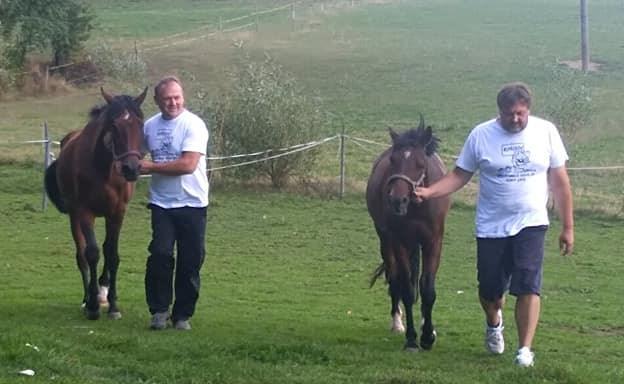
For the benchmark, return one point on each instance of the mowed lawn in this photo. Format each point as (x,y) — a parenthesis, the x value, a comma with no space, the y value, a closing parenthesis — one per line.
(285,299)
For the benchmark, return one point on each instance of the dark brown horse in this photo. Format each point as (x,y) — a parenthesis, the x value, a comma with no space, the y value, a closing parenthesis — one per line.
(94,177)
(405,227)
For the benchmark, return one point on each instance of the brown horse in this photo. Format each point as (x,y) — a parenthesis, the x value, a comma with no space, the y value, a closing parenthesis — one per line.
(94,177)
(405,227)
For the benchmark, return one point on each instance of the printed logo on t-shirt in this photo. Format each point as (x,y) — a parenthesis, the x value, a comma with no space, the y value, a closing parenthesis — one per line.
(520,163)
(164,151)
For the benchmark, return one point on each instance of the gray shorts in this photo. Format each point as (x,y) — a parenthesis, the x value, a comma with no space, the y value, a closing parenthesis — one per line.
(511,263)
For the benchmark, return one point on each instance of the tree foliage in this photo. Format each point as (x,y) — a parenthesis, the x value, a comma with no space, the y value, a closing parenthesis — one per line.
(58,27)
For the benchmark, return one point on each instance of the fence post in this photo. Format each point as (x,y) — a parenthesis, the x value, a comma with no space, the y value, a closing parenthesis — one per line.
(46,163)
(292,15)
(342,162)
(220,23)
(46,78)
(256,14)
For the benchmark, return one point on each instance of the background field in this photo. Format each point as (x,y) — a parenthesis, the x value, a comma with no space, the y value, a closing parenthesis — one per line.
(284,296)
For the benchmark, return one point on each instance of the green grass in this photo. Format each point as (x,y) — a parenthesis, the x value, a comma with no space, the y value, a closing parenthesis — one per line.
(285,299)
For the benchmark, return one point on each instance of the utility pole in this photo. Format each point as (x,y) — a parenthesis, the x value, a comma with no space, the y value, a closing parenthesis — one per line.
(584,37)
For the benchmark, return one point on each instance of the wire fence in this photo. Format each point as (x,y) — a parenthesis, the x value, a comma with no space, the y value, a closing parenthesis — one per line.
(210,30)
(593,190)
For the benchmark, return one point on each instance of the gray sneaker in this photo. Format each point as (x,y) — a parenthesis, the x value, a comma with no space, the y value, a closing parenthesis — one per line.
(159,320)
(182,325)
(494,341)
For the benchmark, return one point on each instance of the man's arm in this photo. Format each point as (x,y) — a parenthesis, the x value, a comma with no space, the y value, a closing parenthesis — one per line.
(562,193)
(185,164)
(450,183)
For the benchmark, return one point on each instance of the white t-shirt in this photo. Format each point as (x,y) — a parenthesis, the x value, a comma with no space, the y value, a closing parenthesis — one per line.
(513,183)
(165,141)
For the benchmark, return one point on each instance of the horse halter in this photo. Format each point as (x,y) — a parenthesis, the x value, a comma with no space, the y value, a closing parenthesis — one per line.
(413,184)
(122,156)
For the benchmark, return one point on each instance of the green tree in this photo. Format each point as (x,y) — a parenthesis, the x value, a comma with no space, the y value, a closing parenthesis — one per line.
(58,27)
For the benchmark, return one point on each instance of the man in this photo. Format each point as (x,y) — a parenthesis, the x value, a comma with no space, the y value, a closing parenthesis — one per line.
(518,156)
(177,140)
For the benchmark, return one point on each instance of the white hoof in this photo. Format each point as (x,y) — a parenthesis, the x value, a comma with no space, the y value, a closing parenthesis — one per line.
(397,324)
(103,295)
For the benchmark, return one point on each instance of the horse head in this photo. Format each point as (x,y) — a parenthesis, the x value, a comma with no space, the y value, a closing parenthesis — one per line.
(408,165)
(122,133)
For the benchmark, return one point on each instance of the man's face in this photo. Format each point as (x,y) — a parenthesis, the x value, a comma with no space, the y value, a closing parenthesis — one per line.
(515,118)
(170,100)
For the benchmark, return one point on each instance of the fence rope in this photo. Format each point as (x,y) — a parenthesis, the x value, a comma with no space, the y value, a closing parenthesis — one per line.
(305,148)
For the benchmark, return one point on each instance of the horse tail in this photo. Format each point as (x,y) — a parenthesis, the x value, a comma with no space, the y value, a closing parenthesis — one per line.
(52,188)
(380,270)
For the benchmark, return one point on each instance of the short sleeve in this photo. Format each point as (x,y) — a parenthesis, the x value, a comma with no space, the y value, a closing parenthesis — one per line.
(467,159)
(558,153)
(196,138)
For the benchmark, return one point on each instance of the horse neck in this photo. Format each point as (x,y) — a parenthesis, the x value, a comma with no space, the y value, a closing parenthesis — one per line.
(100,157)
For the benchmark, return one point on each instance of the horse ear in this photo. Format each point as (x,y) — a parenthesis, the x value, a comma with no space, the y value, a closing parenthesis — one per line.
(393,135)
(421,125)
(430,146)
(107,96)
(139,99)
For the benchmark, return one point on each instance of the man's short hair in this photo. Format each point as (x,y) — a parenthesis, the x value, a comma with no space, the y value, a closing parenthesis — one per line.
(164,81)
(513,93)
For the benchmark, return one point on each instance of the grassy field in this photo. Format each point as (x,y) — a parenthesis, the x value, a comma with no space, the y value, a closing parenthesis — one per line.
(285,295)
(285,299)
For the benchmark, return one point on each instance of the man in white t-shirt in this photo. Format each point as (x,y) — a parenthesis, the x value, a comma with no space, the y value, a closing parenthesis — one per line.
(176,140)
(518,157)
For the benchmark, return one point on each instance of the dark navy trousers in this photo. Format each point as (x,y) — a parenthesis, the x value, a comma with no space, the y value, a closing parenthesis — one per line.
(183,228)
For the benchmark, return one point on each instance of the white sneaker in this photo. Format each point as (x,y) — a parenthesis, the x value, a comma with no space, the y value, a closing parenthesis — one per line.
(524,357)
(494,341)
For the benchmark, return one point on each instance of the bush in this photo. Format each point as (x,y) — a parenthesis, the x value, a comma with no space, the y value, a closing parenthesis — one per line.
(567,101)
(266,109)
(119,65)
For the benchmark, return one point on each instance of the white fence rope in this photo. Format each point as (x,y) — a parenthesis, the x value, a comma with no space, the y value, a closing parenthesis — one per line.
(302,147)
(298,148)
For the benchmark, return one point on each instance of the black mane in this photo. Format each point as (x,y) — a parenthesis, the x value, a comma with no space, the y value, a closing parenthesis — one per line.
(418,137)
(114,109)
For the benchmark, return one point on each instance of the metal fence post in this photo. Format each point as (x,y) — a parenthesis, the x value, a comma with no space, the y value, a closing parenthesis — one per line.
(46,163)
(342,162)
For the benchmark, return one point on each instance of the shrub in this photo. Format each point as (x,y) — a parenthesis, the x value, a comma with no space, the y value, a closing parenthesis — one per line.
(265,108)
(567,101)
(119,65)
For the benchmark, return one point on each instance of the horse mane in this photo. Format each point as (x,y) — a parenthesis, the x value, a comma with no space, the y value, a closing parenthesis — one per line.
(418,137)
(113,110)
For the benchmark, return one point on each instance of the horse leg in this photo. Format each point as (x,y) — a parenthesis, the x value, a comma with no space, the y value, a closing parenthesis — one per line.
(81,261)
(111,263)
(431,262)
(394,288)
(91,253)
(409,297)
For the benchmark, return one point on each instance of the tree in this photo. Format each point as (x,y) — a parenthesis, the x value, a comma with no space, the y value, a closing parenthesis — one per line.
(56,26)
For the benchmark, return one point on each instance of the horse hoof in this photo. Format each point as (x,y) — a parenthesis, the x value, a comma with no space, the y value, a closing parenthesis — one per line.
(426,343)
(409,349)
(114,315)
(92,315)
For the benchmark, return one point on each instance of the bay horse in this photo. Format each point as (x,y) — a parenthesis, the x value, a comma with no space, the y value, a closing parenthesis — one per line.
(406,228)
(94,176)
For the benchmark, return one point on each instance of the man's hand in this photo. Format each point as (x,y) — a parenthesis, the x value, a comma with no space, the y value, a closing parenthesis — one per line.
(421,194)
(566,241)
